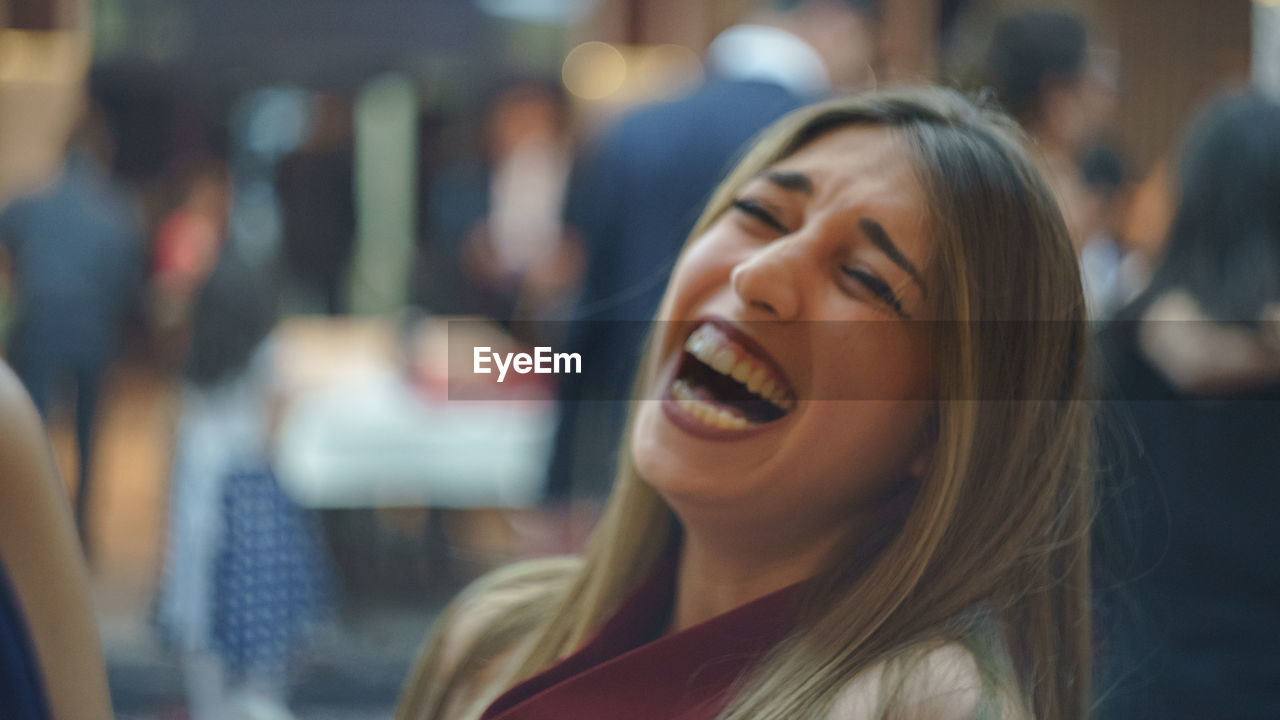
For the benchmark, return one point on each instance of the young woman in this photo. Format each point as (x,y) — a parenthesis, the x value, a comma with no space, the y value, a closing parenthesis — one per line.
(854,479)
(244,580)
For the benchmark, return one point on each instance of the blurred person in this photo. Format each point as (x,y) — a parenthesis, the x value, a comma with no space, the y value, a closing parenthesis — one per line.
(51,662)
(315,186)
(244,579)
(1190,590)
(186,246)
(638,188)
(1108,277)
(1149,215)
(78,264)
(1049,74)
(522,250)
(834,528)
(497,222)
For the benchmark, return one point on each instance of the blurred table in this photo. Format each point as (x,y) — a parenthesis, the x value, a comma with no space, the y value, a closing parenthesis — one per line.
(365,424)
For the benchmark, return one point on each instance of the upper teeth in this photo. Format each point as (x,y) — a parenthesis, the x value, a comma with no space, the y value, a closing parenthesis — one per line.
(726,357)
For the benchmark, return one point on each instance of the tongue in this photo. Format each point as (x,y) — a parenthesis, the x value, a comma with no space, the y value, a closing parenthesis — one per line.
(703,393)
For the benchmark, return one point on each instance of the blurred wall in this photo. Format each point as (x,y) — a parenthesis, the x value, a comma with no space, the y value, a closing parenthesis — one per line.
(1266,46)
(1175,54)
(909,28)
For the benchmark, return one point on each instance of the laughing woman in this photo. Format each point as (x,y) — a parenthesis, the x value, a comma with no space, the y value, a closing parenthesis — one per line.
(854,479)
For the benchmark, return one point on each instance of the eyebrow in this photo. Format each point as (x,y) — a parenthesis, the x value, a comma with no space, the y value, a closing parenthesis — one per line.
(875,231)
(798,182)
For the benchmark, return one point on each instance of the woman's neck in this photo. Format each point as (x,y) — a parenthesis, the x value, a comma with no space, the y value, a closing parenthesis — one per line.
(712,580)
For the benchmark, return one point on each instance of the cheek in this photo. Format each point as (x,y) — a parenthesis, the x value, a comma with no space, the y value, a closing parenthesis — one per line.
(645,445)
(872,398)
(859,449)
(656,451)
(701,271)
(873,359)
(704,266)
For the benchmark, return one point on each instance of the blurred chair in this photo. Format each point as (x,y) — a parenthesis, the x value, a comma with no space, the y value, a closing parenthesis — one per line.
(52,659)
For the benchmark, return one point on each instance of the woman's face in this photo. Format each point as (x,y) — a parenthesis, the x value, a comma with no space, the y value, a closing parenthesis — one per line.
(796,382)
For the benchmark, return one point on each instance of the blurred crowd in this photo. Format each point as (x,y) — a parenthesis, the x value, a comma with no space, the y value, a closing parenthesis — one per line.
(220,245)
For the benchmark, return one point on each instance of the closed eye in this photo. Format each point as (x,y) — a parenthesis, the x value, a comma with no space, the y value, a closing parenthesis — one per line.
(761,213)
(879,288)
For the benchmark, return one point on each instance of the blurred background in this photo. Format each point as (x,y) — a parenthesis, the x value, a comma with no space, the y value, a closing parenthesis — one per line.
(263,214)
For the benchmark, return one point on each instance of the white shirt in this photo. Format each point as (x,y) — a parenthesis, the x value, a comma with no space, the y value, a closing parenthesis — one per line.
(769,54)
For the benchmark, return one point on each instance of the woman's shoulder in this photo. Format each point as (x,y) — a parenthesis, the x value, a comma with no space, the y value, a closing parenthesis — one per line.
(15,415)
(941,680)
(41,557)
(25,461)
(479,631)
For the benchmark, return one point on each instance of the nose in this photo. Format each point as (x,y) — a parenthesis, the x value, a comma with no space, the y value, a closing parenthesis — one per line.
(768,281)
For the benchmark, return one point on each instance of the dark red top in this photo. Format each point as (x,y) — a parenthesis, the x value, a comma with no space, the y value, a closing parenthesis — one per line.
(629,671)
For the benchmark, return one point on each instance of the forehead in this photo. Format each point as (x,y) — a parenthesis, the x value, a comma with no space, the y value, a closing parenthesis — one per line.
(866,172)
(864,165)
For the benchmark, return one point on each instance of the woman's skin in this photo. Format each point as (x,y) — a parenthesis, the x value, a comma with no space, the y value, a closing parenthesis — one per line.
(40,553)
(820,261)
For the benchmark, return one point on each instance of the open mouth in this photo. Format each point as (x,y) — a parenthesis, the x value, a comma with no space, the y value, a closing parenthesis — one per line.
(722,383)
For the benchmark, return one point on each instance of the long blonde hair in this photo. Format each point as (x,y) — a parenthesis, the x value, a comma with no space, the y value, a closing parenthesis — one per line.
(992,552)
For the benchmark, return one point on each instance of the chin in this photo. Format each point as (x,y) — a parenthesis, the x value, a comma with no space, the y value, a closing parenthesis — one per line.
(651,451)
(680,472)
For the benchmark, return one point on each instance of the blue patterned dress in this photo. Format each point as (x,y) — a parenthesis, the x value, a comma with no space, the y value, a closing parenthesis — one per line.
(246,575)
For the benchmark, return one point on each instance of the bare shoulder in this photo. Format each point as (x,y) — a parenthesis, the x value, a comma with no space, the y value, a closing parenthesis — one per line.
(19,424)
(478,632)
(41,555)
(940,682)
(30,491)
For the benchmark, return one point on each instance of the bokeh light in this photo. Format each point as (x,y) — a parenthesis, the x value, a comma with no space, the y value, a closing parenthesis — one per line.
(668,70)
(594,70)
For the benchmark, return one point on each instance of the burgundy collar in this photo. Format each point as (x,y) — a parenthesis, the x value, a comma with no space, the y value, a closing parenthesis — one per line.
(629,671)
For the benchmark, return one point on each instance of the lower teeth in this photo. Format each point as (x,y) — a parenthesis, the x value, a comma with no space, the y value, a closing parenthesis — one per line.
(704,411)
